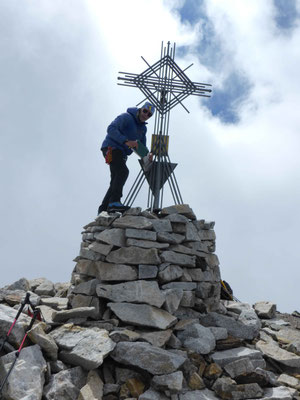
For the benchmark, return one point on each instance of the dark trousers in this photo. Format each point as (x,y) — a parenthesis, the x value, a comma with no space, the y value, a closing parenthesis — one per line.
(118,176)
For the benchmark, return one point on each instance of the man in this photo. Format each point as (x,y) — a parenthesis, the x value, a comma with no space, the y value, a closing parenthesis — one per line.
(122,136)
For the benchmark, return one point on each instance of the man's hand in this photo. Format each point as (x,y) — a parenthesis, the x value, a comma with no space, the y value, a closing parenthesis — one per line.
(150,156)
(132,143)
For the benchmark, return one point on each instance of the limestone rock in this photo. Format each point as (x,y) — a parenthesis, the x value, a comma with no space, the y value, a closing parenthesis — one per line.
(239,367)
(140,234)
(172,238)
(279,393)
(100,248)
(58,303)
(288,380)
(156,338)
(162,225)
(65,384)
(152,394)
(45,289)
(135,292)
(143,315)
(115,237)
(147,244)
(226,388)
(265,309)
(183,209)
(205,394)
(28,376)
(147,271)
(179,259)
(106,272)
(46,342)
(197,338)
(278,354)
(7,316)
(93,389)
(85,347)
(228,356)
(172,299)
(149,358)
(134,255)
(170,273)
(80,312)
(172,382)
(133,222)
(235,328)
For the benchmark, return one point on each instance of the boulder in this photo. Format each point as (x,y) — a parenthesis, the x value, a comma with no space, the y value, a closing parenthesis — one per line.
(46,342)
(179,259)
(132,222)
(106,272)
(149,358)
(273,351)
(7,316)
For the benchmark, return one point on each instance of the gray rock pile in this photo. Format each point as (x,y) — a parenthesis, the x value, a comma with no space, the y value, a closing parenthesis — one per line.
(142,319)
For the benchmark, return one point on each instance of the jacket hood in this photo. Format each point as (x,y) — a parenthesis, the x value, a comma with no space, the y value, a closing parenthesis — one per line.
(133,111)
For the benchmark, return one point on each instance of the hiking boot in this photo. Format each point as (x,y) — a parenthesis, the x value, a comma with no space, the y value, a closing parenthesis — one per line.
(117,207)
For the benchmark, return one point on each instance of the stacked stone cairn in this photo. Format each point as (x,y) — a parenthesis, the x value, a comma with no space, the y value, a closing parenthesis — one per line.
(142,319)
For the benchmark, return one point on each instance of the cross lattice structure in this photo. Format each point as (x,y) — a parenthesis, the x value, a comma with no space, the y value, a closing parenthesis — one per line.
(165,85)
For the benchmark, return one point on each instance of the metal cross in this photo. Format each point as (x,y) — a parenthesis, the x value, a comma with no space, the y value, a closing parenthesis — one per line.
(165,85)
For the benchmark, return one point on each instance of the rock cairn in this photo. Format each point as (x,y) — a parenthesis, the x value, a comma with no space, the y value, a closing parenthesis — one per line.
(142,319)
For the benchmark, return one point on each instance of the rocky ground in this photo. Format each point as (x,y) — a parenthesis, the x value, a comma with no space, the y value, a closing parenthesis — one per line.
(136,324)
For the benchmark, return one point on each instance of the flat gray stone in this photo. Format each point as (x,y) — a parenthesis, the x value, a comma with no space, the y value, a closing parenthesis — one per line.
(152,394)
(133,222)
(84,347)
(58,303)
(172,238)
(235,328)
(180,285)
(133,292)
(80,312)
(183,209)
(228,356)
(147,244)
(239,367)
(288,335)
(226,388)
(273,351)
(114,272)
(170,273)
(279,393)
(134,255)
(140,234)
(28,376)
(219,333)
(147,271)
(188,299)
(162,225)
(87,288)
(100,248)
(156,338)
(143,315)
(179,259)
(191,233)
(204,394)
(149,358)
(115,237)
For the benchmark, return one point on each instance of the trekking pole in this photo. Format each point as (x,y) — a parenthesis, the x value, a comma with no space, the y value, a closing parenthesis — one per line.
(35,314)
(24,302)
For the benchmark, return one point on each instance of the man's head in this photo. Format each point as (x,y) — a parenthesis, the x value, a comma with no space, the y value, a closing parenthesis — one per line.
(146,111)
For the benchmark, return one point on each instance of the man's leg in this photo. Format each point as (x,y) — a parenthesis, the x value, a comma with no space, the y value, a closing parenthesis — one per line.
(119,174)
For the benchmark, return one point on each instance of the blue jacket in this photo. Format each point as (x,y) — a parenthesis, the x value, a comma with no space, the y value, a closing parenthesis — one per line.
(125,127)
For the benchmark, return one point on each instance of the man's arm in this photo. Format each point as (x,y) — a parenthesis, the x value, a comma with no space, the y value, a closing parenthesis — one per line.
(116,128)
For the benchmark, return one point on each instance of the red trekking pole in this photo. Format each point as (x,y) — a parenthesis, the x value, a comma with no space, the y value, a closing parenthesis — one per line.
(24,302)
(35,314)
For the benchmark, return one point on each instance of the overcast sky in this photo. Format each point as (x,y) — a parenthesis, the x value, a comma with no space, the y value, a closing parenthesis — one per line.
(237,153)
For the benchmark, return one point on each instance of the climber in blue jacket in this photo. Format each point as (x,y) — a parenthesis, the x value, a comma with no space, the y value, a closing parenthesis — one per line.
(121,138)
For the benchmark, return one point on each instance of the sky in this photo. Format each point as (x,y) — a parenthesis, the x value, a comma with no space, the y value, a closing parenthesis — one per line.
(237,152)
